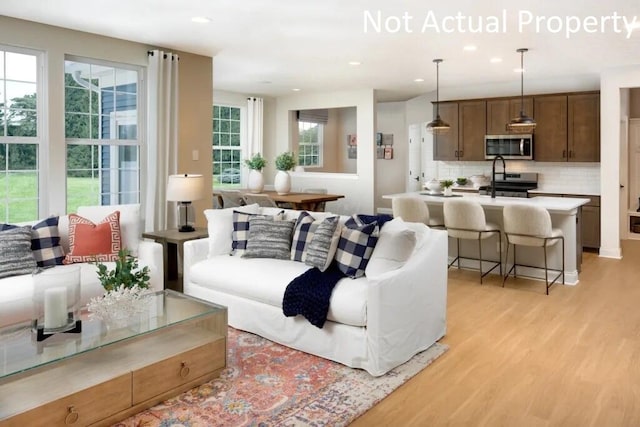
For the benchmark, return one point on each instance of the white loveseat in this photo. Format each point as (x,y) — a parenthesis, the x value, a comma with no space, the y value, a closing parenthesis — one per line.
(374,323)
(16,291)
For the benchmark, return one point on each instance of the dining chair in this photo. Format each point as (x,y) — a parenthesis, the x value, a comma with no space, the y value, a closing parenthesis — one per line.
(231,198)
(531,226)
(320,207)
(262,200)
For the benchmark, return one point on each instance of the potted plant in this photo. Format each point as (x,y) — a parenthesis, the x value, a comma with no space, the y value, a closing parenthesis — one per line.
(447,184)
(256,180)
(284,163)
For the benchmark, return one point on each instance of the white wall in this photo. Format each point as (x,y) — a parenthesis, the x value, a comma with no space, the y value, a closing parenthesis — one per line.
(611,83)
(391,174)
(358,188)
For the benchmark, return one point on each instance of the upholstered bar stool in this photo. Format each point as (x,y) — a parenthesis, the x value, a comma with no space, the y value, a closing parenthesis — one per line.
(412,209)
(465,219)
(531,226)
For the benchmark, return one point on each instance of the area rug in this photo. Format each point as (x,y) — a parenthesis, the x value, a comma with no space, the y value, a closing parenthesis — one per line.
(267,384)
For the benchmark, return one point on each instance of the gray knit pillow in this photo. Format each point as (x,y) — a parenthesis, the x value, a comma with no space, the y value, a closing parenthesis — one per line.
(269,239)
(16,256)
(323,245)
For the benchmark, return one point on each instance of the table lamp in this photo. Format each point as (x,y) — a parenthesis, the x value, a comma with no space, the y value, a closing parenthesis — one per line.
(184,189)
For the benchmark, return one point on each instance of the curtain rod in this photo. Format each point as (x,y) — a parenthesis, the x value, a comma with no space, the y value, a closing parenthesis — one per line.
(173,56)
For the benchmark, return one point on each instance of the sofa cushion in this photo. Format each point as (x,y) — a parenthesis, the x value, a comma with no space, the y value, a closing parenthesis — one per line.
(355,247)
(306,225)
(220,227)
(357,220)
(265,280)
(45,241)
(323,244)
(268,238)
(394,247)
(94,242)
(240,234)
(16,256)
(130,222)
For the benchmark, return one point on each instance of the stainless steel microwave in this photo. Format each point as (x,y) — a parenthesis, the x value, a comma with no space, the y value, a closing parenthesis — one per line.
(509,146)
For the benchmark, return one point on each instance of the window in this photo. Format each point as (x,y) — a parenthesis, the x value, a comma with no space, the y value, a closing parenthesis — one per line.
(227,156)
(101,129)
(310,137)
(19,135)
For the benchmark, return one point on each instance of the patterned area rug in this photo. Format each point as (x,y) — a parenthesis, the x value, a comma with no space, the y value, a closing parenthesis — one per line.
(266,384)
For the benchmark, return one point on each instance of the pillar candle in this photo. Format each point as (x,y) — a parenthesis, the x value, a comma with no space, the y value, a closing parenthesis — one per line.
(55,307)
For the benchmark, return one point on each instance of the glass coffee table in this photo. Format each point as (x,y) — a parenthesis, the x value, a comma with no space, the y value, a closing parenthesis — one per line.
(104,374)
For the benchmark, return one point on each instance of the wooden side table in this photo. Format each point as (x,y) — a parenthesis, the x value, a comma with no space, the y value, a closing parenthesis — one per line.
(172,242)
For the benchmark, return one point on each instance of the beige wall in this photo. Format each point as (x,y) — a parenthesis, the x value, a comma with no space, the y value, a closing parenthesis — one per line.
(55,42)
(634,103)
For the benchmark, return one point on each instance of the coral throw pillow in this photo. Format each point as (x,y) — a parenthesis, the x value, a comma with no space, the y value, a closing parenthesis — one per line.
(94,242)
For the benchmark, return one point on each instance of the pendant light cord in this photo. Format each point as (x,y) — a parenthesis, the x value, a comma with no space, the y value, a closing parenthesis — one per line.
(521,83)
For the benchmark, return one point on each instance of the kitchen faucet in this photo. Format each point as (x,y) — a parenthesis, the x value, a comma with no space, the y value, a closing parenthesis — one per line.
(493,174)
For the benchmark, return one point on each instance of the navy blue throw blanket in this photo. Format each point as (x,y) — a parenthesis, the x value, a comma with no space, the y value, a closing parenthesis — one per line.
(309,294)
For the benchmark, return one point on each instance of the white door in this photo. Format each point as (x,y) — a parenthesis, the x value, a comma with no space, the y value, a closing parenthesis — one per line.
(415,158)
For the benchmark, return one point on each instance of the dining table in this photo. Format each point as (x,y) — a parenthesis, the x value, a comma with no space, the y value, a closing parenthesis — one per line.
(295,200)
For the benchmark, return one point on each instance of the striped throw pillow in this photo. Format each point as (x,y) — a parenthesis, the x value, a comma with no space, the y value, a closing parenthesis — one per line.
(16,256)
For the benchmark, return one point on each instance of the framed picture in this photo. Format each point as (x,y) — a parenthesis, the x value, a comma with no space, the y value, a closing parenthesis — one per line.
(387,139)
(352,140)
(379,152)
(352,152)
(388,153)
(379,139)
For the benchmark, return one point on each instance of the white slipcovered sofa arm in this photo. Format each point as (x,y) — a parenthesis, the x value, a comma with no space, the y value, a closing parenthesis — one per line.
(150,255)
(194,251)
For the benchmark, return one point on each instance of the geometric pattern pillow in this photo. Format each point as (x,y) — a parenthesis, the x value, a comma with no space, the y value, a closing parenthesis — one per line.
(16,256)
(240,233)
(45,241)
(306,226)
(94,242)
(355,247)
(357,220)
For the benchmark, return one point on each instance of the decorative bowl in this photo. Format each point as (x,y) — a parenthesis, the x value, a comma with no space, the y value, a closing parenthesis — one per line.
(433,186)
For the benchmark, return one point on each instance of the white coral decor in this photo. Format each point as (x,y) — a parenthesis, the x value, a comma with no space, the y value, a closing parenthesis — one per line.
(119,304)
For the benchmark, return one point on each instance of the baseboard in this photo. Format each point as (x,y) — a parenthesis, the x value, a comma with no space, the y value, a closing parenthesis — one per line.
(615,253)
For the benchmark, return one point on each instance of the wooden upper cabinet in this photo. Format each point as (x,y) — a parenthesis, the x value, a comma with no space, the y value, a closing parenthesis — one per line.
(471,129)
(550,135)
(501,111)
(583,140)
(445,145)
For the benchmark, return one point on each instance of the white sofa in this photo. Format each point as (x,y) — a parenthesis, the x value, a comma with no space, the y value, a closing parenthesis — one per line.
(16,291)
(374,323)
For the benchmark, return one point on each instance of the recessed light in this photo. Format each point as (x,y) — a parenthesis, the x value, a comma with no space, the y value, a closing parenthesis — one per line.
(200,19)
(470,48)
(495,60)
(354,63)
(295,89)
(418,80)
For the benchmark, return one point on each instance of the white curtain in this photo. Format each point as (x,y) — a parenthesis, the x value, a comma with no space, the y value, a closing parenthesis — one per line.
(162,138)
(254,128)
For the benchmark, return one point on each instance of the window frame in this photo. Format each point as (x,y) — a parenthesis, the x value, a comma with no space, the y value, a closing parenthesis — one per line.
(319,144)
(39,140)
(241,148)
(125,115)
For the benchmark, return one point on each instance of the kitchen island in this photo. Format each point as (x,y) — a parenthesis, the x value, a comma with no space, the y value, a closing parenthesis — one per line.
(565,215)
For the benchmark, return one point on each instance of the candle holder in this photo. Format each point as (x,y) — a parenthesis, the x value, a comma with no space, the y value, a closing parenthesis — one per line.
(56,301)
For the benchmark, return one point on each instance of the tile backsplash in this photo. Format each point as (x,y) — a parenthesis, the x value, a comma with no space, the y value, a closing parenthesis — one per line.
(569,178)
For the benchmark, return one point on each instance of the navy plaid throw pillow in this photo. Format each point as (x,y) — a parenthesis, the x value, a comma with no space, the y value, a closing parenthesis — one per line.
(303,232)
(45,241)
(355,248)
(240,234)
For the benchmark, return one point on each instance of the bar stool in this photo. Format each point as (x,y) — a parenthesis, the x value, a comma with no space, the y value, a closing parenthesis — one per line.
(465,219)
(413,209)
(531,226)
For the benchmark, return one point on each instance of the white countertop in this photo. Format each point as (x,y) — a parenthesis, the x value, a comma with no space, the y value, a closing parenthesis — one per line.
(552,190)
(564,205)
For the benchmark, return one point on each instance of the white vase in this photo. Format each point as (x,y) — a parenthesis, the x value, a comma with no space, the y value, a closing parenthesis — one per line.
(282,182)
(448,191)
(256,181)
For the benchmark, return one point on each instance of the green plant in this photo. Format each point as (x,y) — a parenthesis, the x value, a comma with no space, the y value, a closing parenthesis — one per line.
(446,183)
(285,161)
(257,162)
(126,273)
(461,181)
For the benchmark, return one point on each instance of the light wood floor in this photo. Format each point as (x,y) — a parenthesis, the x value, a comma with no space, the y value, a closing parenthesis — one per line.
(520,358)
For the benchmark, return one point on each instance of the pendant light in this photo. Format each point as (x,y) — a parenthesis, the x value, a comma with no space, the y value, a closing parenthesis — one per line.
(438,125)
(522,123)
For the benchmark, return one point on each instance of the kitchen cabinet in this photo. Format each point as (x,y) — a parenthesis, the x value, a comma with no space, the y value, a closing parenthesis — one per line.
(471,129)
(501,111)
(445,145)
(551,128)
(590,228)
(583,119)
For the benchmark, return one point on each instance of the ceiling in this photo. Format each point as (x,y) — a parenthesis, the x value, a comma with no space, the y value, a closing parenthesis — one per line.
(271,47)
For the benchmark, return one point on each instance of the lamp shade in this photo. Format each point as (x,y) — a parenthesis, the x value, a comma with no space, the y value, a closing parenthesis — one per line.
(185,188)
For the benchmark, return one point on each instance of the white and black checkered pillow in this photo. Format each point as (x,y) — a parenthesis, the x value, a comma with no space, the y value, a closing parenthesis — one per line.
(355,248)
(240,233)
(45,241)
(306,226)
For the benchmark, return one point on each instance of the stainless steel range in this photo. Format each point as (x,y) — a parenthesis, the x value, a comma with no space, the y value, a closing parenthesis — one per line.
(511,184)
